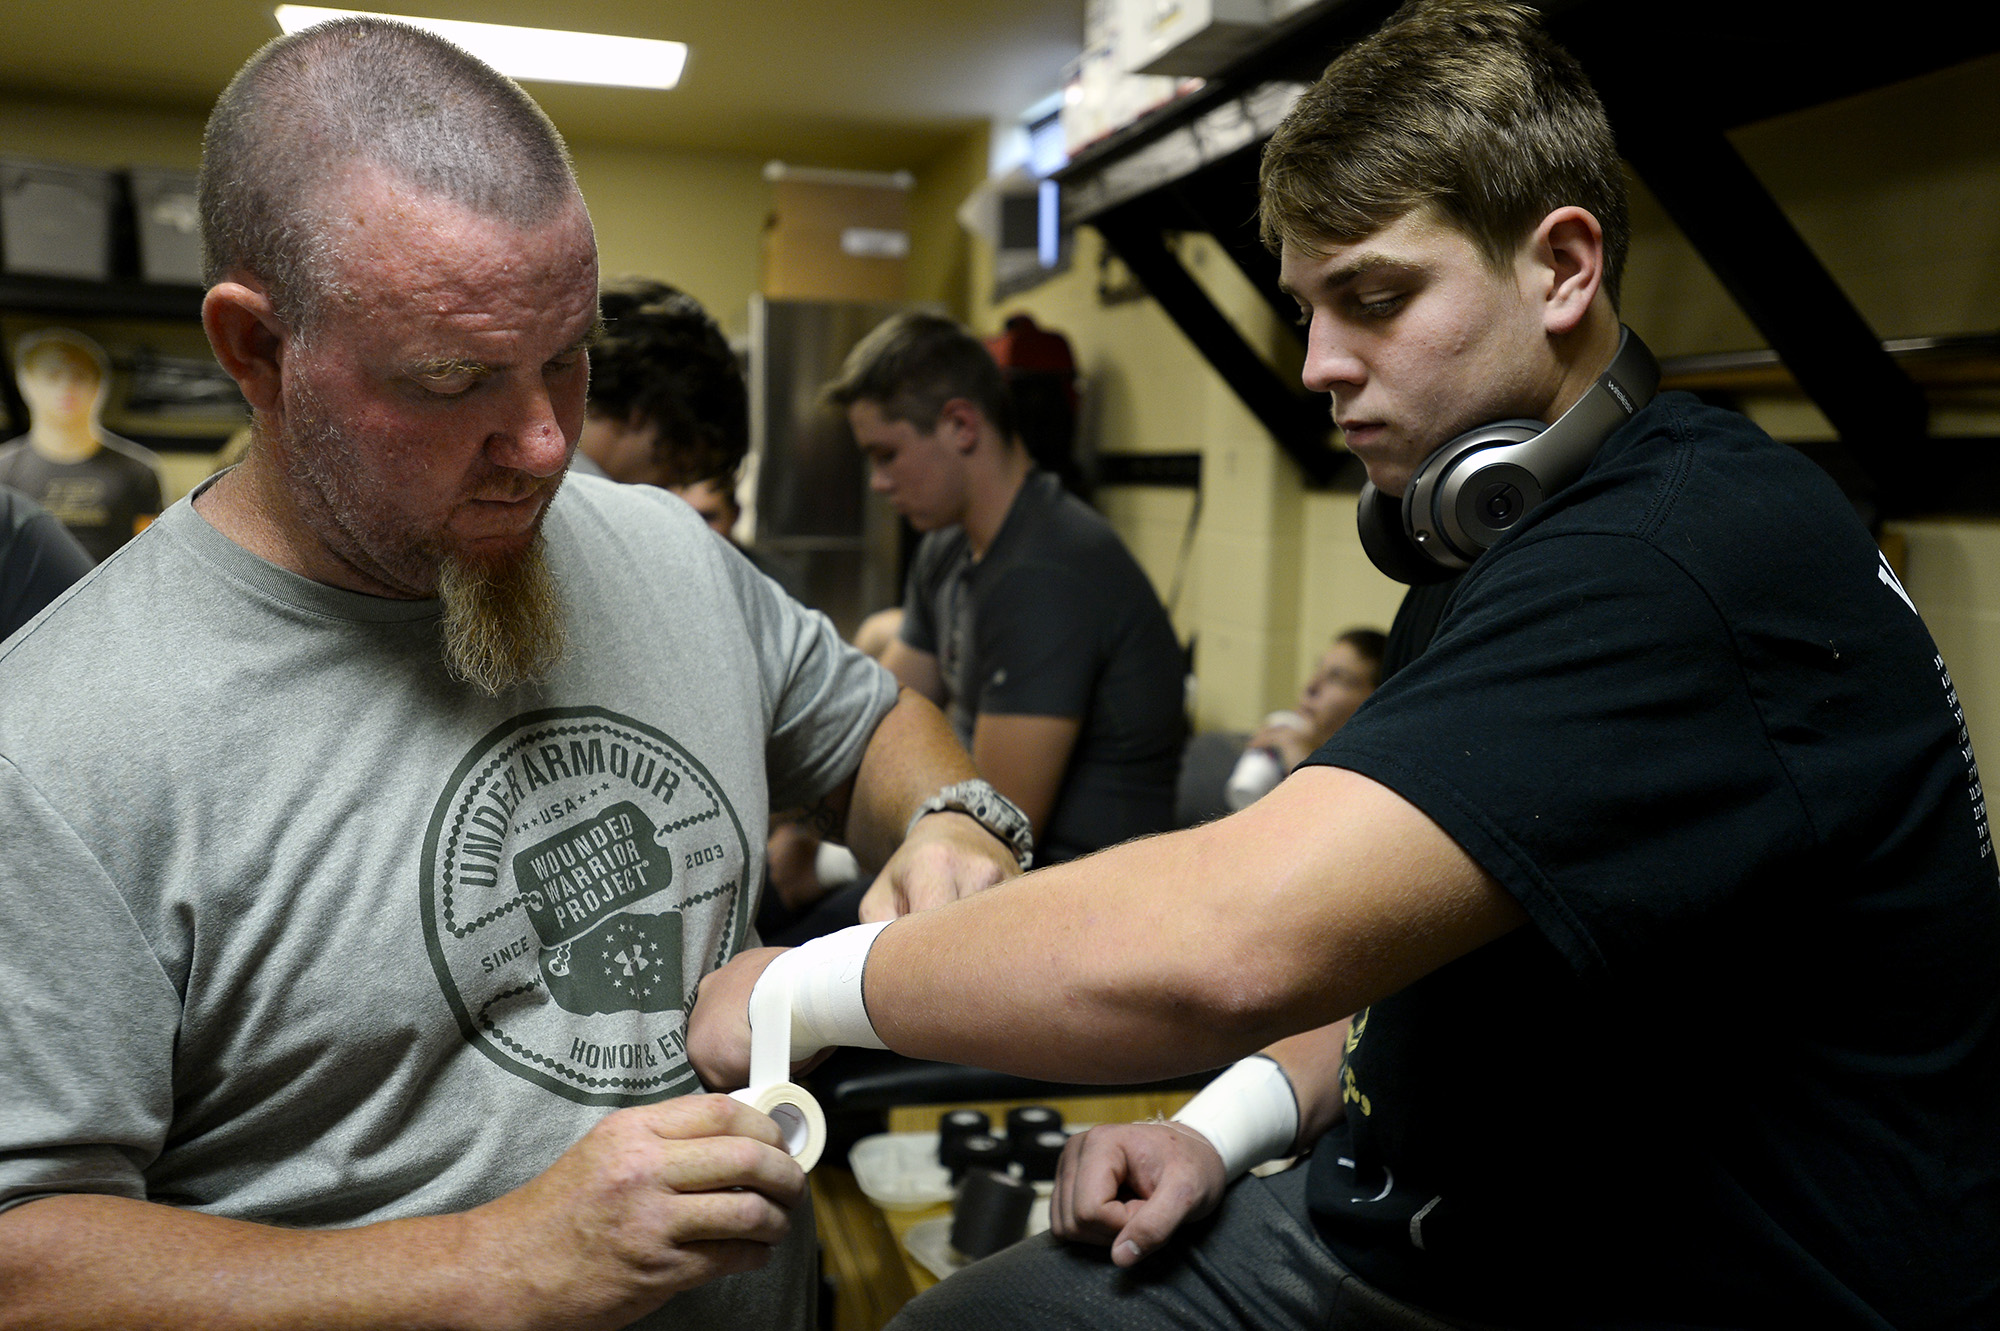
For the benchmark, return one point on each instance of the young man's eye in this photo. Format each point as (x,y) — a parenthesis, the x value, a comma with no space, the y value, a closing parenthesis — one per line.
(1379,307)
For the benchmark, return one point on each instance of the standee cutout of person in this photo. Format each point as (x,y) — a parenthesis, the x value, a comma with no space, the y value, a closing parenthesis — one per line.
(104,488)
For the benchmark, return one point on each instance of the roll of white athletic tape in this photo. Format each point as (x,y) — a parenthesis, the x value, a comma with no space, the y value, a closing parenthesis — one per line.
(797,1115)
(771,1090)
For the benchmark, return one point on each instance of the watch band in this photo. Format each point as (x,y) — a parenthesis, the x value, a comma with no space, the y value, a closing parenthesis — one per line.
(993,811)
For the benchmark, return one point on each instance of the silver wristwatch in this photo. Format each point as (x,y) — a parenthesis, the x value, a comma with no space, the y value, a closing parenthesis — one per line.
(993,811)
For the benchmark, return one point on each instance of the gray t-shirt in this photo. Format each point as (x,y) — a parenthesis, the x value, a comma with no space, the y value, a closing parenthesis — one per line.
(302,931)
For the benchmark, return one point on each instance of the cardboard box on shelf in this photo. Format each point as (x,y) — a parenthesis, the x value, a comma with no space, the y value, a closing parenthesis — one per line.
(1189,38)
(836,235)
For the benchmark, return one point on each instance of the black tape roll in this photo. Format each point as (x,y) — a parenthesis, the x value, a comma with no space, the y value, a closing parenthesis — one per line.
(1026,1121)
(1039,1152)
(978,1151)
(954,1126)
(991,1212)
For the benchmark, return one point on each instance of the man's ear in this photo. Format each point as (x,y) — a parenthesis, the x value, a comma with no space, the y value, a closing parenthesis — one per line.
(249,341)
(1568,256)
(964,420)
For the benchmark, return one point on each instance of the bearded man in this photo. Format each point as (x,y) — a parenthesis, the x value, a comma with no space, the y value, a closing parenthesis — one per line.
(365,846)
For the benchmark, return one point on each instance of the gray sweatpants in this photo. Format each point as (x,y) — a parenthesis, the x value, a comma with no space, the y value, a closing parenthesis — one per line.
(1255,1263)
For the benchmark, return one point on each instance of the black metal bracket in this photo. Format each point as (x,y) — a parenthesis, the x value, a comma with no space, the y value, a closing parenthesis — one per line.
(1299,422)
(1181,471)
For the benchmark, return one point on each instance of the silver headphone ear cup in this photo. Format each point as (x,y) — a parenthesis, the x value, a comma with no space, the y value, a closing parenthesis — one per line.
(1434,511)
(1458,504)
(1386,541)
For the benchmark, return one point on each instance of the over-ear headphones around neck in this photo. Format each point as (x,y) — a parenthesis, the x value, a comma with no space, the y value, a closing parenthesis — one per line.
(1478,486)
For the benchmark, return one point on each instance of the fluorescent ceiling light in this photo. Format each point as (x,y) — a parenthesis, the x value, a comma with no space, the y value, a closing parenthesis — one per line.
(535,53)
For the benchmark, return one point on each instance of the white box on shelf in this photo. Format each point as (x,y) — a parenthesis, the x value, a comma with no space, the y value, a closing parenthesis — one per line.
(1189,38)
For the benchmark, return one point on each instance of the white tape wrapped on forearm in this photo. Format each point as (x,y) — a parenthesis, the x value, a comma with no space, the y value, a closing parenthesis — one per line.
(807,999)
(1250,1114)
(822,979)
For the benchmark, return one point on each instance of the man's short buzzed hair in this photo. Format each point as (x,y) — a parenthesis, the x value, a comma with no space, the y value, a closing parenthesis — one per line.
(362,91)
(1462,106)
(913,363)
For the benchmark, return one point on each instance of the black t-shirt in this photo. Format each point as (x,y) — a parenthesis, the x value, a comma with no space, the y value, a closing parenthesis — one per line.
(1743,1067)
(38,559)
(1415,624)
(1058,619)
(104,500)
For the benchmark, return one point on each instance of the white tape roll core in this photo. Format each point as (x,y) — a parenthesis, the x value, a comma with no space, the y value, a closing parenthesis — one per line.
(771,1091)
(797,1115)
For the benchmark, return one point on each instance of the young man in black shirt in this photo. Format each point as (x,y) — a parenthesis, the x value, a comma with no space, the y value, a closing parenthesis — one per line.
(1632,957)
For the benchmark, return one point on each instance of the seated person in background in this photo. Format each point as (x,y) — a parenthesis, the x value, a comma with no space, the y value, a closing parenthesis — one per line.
(1024,615)
(715,499)
(38,559)
(1347,673)
(667,402)
(103,488)
(668,406)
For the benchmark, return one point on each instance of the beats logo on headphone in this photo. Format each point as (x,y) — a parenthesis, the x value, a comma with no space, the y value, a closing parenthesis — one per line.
(1478,486)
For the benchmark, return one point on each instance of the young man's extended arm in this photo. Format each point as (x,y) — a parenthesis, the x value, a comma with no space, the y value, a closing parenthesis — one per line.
(1170,954)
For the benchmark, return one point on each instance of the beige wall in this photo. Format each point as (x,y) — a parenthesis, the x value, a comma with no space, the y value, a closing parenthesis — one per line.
(940,266)
(99,134)
(1899,192)
(1952,572)
(691,219)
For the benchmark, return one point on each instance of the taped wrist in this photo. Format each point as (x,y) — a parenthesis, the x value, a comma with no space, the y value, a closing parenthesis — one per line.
(822,982)
(1250,1114)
